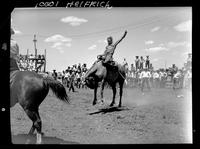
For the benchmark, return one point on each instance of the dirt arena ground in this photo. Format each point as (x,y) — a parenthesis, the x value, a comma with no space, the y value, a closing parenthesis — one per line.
(155,117)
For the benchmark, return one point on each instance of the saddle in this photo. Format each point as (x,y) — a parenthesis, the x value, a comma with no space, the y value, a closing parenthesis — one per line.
(111,64)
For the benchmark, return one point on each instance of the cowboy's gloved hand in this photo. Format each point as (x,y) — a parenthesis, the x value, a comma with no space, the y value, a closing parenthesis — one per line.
(99,57)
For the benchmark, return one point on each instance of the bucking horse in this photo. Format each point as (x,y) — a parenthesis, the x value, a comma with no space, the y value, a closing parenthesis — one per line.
(102,72)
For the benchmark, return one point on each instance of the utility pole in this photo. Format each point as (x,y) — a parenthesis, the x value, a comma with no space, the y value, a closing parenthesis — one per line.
(45,60)
(27,56)
(27,52)
(34,40)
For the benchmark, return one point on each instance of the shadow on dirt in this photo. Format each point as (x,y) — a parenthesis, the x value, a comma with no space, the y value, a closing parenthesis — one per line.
(31,139)
(109,110)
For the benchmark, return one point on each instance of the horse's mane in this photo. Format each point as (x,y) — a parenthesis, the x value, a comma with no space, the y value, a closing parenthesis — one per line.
(93,65)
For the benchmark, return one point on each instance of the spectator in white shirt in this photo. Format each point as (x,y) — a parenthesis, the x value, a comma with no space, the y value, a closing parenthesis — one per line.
(176,79)
(145,76)
(124,63)
(66,74)
(139,79)
(142,62)
(188,79)
(189,61)
(156,79)
(162,77)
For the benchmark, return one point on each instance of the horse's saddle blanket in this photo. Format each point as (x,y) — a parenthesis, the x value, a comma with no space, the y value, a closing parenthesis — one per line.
(12,76)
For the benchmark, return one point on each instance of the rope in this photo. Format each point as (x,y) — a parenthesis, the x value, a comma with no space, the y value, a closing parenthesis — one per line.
(123,77)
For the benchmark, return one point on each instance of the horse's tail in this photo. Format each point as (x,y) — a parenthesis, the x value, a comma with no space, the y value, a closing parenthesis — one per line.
(57,88)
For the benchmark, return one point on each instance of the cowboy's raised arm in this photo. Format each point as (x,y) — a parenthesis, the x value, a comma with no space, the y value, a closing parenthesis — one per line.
(120,39)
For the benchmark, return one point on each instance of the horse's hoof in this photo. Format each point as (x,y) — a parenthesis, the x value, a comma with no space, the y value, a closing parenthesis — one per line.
(101,103)
(31,133)
(38,142)
(28,141)
(112,104)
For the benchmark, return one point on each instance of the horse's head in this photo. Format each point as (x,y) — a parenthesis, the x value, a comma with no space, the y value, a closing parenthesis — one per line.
(95,74)
(91,82)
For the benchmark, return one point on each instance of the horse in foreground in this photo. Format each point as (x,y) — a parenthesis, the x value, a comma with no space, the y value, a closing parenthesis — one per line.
(29,89)
(106,73)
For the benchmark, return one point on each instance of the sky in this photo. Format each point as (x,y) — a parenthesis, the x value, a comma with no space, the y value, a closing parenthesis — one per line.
(77,35)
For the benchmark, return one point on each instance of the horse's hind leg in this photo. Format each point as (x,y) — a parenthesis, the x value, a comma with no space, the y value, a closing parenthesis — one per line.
(32,130)
(114,94)
(95,96)
(37,123)
(102,88)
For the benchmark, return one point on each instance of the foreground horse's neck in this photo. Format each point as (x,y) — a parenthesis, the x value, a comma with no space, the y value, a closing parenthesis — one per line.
(92,69)
(101,70)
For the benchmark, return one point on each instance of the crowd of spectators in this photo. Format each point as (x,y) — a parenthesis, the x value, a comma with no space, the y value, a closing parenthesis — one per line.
(73,75)
(27,62)
(170,77)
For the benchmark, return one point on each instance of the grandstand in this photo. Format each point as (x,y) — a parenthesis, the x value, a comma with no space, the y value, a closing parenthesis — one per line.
(32,62)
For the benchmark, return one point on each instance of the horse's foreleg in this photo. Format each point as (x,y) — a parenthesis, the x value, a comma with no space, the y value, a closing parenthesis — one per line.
(114,93)
(120,94)
(37,124)
(102,88)
(95,96)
